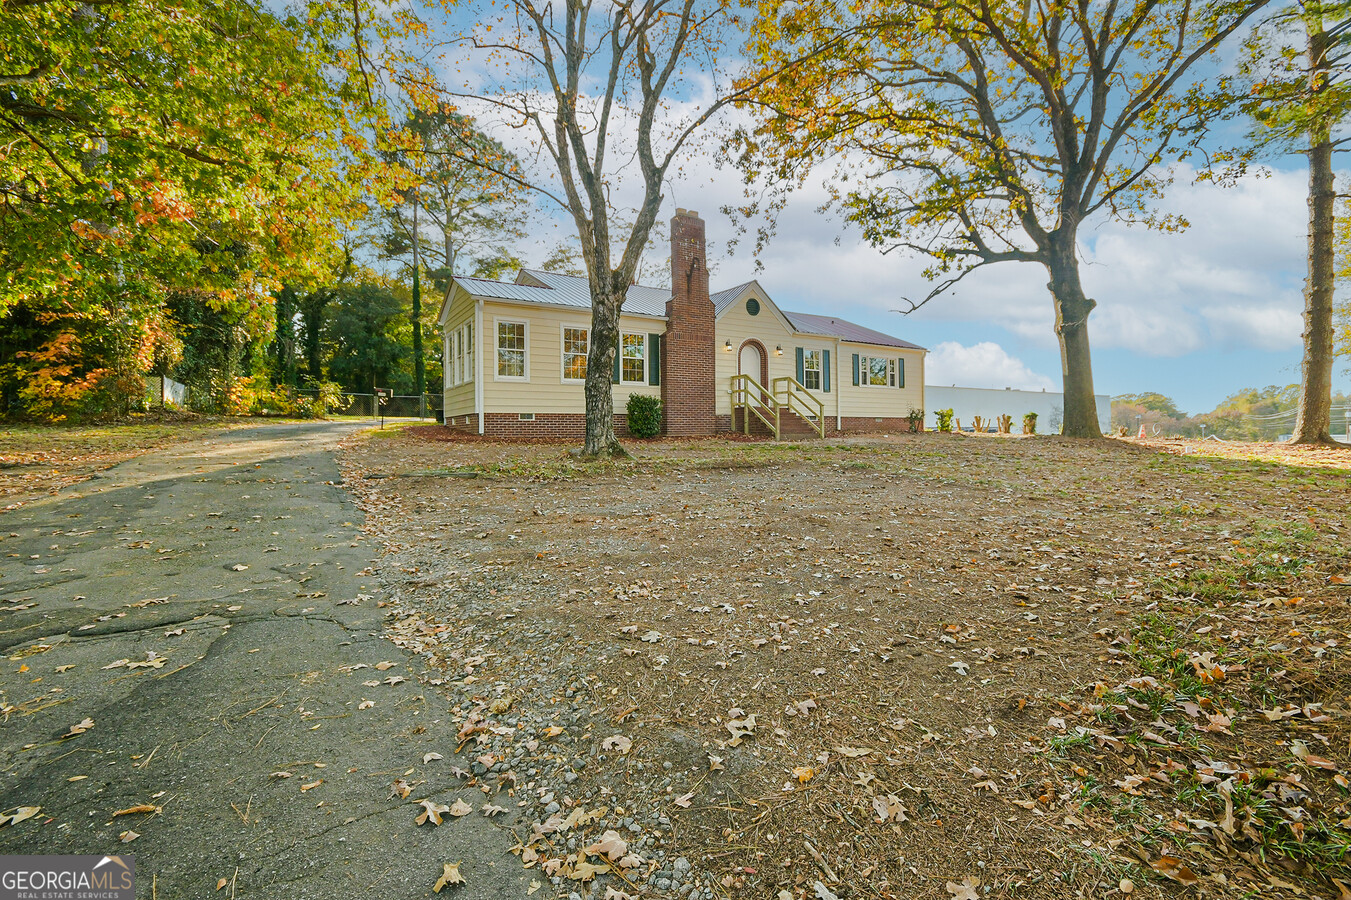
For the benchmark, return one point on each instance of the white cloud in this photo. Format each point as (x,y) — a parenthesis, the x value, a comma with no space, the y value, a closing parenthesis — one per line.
(985,364)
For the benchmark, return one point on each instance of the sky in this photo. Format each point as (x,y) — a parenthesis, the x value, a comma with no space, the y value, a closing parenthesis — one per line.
(1196,315)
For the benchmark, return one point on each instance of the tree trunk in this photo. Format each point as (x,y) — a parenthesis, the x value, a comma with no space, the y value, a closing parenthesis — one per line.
(600,362)
(1071,328)
(1314,421)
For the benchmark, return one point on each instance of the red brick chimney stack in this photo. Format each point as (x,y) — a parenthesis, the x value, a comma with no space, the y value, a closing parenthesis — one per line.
(688,391)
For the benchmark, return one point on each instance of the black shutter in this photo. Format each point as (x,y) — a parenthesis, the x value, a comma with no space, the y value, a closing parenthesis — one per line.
(855,370)
(900,372)
(654,359)
(618,344)
(801,378)
(825,371)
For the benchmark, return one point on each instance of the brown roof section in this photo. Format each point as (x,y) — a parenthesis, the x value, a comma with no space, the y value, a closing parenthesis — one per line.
(845,331)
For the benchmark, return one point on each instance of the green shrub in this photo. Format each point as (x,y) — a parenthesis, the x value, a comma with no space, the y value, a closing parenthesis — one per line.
(644,415)
(944,417)
(1030,423)
(916,419)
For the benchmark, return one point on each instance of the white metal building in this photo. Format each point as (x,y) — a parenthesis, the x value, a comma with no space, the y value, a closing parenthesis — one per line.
(990,403)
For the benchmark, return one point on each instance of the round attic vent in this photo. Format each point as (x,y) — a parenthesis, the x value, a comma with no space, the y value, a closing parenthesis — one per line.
(753,307)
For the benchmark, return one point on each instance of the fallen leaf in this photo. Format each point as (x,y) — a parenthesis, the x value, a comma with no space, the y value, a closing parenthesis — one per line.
(610,845)
(651,637)
(431,812)
(222,883)
(617,742)
(803,774)
(382,666)
(311,785)
(127,836)
(450,874)
(683,801)
(852,752)
(889,809)
(490,810)
(79,728)
(239,567)
(613,893)
(428,757)
(138,808)
(19,815)
(459,808)
(365,704)
(715,763)
(1174,868)
(966,890)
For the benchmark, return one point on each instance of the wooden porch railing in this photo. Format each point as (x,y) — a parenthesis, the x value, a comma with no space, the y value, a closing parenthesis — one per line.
(753,399)
(790,394)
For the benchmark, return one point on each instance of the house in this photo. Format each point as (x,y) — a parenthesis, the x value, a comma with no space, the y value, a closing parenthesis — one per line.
(515,357)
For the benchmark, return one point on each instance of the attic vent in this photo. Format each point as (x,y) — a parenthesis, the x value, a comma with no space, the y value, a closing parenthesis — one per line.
(527,417)
(753,307)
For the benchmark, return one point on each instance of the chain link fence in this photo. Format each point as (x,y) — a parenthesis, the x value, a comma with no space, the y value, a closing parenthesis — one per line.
(399,406)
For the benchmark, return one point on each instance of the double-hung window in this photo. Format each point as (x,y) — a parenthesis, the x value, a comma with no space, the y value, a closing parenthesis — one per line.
(633,358)
(459,351)
(512,355)
(878,371)
(575,349)
(811,370)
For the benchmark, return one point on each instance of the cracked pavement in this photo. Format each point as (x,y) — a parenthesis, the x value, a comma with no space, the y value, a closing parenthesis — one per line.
(227,676)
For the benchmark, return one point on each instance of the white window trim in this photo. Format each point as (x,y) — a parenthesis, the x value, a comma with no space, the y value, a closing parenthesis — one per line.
(445,362)
(864,374)
(562,351)
(820,368)
(467,352)
(620,351)
(497,372)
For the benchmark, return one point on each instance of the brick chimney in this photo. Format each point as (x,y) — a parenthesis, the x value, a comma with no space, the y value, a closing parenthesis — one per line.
(688,389)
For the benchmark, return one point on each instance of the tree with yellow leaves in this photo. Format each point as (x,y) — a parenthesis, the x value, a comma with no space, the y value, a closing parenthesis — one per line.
(977,132)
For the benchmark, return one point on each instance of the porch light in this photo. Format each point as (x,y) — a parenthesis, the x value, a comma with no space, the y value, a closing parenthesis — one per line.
(778,351)
(727,346)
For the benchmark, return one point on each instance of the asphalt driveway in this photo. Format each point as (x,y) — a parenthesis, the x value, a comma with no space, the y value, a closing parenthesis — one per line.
(210,610)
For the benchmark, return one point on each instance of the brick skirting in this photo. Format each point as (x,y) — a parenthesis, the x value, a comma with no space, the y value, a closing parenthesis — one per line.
(544,427)
(572,426)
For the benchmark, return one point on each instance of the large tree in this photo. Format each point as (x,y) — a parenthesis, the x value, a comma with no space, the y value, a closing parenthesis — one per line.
(142,144)
(1299,64)
(437,193)
(977,132)
(594,85)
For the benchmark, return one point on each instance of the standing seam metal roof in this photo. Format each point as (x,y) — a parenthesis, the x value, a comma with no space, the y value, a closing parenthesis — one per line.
(572,291)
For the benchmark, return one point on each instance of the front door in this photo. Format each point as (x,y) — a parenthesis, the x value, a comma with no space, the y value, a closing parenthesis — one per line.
(750,362)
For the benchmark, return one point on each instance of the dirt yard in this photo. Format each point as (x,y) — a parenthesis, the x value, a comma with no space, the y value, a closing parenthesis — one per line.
(922,666)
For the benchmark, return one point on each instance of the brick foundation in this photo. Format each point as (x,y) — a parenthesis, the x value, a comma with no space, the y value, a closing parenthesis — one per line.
(544,427)
(572,426)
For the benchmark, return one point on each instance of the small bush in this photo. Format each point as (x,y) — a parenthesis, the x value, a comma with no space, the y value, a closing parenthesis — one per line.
(916,419)
(1029,423)
(644,415)
(944,418)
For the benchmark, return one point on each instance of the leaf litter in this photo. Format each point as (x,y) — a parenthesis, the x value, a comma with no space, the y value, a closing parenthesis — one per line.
(1064,700)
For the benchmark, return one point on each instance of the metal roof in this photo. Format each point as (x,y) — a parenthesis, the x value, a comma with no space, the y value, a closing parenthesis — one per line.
(845,331)
(553,289)
(572,290)
(723,299)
